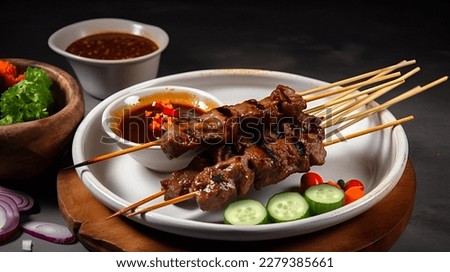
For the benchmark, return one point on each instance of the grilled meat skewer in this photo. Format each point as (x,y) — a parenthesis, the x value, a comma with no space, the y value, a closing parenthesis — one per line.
(230,170)
(228,123)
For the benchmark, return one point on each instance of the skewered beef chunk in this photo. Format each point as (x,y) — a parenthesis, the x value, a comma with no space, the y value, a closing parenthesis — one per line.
(179,138)
(286,101)
(179,182)
(227,124)
(257,143)
(276,161)
(219,183)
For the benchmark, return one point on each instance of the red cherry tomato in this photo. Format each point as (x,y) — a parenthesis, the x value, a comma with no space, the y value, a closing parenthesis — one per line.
(353,183)
(310,179)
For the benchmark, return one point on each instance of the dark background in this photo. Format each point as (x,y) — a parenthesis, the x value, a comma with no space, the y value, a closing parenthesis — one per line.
(327,41)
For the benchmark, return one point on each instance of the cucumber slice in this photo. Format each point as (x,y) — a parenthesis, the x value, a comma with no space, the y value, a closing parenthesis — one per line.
(287,206)
(245,212)
(324,198)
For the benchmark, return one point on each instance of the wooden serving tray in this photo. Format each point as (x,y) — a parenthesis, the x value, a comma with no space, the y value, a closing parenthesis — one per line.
(375,230)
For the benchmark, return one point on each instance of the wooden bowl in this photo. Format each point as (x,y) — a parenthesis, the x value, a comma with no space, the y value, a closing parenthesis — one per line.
(29,148)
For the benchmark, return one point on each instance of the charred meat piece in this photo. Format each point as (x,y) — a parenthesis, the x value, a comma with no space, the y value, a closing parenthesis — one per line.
(229,123)
(180,182)
(180,138)
(316,153)
(276,161)
(219,183)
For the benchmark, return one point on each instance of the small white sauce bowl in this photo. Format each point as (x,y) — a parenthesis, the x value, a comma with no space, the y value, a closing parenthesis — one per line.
(153,157)
(102,78)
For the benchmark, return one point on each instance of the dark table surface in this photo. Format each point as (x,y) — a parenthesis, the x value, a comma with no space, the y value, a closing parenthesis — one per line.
(327,42)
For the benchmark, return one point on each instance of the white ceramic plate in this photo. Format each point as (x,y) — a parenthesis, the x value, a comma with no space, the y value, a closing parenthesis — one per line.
(378,159)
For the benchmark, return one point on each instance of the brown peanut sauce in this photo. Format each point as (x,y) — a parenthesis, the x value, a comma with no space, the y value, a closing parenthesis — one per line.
(112,46)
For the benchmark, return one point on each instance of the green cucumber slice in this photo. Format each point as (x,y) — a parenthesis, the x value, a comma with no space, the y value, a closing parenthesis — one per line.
(324,198)
(245,212)
(287,206)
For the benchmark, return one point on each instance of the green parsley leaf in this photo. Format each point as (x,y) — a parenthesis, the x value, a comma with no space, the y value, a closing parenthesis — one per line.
(27,100)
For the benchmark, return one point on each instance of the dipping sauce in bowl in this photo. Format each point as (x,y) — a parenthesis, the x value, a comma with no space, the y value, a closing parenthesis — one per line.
(147,122)
(112,46)
(113,61)
(143,115)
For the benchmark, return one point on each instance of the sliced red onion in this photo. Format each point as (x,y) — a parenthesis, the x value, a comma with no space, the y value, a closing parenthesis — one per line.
(9,217)
(24,201)
(51,232)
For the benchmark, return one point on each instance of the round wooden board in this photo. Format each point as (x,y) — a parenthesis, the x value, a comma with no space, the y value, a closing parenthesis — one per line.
(375,230)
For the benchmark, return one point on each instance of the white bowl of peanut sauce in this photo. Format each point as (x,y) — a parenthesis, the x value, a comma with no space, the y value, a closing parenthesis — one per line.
(110,54)
(143,114)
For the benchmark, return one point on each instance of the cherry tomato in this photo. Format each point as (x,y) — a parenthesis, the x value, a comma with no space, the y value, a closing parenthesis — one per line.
(310,179)
(353,183)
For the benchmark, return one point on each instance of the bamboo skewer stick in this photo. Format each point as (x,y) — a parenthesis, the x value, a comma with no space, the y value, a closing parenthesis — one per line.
(346,125)
(401,97)
(114,154)
(352,119)
(348,93)
(340,115)
(137,204)
(369,130)
(395,82)
(166,203)
(352,88)
(344,102)
(346,96)
(343,107)
(353,95)
(358,77)
(342,99)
